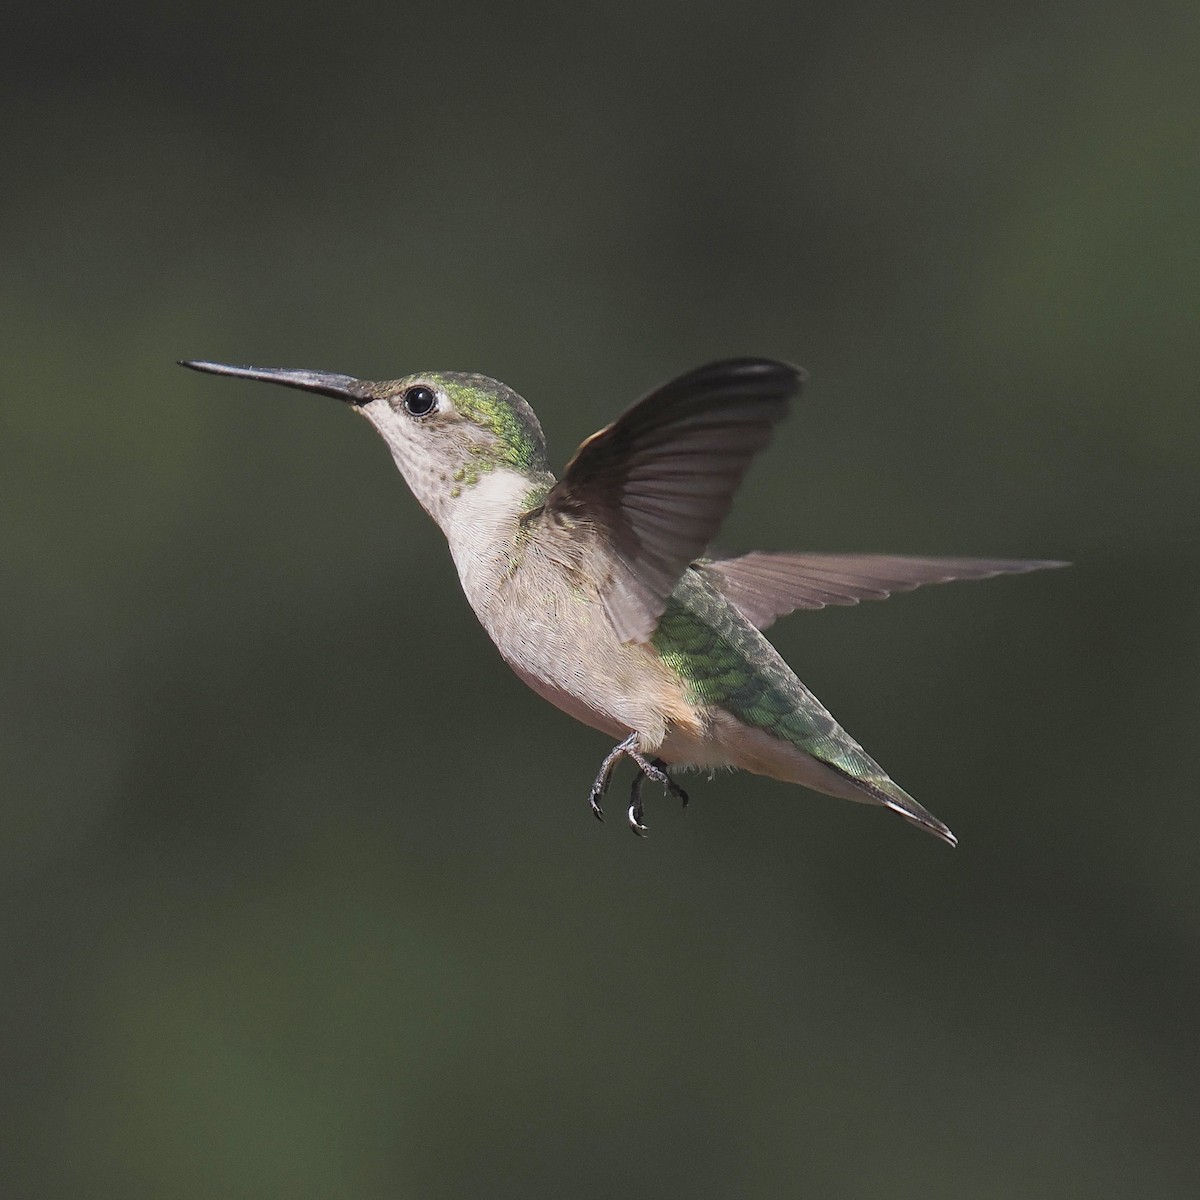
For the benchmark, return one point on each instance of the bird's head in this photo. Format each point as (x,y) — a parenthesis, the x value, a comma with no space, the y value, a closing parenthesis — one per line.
(446,430)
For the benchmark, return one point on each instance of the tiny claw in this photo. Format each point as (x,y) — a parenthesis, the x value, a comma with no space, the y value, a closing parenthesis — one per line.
(594,801)
(635,822)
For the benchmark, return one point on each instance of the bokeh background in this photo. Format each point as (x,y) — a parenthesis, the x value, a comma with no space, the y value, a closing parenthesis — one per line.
(301,897)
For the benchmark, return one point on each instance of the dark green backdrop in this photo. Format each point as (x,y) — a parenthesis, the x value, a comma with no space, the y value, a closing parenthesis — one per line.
(301,897)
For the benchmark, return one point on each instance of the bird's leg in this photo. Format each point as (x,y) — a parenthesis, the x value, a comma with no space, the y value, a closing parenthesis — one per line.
(606,770)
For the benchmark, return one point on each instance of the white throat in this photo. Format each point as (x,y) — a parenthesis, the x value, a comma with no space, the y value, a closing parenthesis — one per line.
(481,522)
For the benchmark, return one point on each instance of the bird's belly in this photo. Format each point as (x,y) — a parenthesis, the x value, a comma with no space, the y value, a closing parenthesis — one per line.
(569,654)
(573,705)
(618,689)
(559,641)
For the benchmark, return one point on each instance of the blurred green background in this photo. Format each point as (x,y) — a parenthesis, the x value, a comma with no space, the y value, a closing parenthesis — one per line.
(301,893)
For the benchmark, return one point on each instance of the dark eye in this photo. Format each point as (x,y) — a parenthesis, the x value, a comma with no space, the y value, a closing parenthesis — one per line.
(420,401)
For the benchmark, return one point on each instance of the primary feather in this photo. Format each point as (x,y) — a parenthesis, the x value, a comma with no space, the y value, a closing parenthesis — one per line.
(768,586)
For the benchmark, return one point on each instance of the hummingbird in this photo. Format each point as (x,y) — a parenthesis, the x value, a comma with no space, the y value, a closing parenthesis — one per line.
(599,588)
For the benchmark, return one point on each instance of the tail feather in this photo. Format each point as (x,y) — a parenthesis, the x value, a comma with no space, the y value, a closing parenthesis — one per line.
(881,789)
(834,766)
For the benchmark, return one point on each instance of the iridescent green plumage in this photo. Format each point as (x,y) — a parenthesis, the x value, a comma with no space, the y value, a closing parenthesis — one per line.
(519,441)
(724,661)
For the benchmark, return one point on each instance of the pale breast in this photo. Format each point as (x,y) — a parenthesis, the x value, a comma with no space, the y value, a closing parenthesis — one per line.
(537,602)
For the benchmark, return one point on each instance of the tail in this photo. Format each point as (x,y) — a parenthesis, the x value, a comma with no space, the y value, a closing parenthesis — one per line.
(879,788)
(834,764)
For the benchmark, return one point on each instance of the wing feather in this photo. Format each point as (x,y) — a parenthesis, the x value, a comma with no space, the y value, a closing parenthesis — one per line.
(767,586)
(657,483)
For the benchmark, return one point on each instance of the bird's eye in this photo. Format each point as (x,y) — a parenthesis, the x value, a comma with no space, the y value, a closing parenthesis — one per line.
(420,401)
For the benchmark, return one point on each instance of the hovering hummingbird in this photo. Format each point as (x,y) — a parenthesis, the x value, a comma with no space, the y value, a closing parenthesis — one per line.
(597,588)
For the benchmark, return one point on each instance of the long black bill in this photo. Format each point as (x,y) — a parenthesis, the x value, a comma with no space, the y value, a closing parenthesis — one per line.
(324,383)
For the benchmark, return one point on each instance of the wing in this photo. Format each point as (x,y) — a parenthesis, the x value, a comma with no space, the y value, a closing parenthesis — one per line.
(656,484)
(767,586)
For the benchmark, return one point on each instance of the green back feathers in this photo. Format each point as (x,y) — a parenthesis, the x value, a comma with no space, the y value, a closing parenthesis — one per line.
(725,661)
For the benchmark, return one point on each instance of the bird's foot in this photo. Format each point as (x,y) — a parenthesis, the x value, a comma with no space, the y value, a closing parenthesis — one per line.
(647,768)
(605,774)
(656,769)
(673,789)
(636,813)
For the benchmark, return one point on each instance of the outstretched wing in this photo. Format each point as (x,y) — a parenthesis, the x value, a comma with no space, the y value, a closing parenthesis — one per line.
(656,484)
(767,586)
